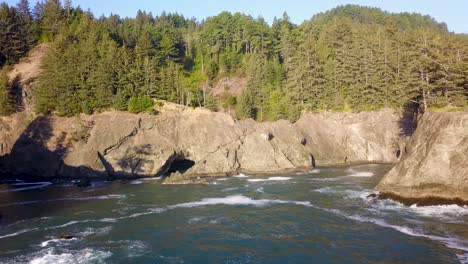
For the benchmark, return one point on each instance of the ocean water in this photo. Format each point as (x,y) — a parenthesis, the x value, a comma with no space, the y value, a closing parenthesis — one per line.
(319,217)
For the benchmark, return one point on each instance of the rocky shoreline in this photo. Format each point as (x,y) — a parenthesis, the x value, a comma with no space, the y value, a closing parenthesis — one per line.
(195,144)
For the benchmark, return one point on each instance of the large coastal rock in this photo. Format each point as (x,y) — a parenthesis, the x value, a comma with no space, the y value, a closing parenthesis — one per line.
(196,142)
(336,138)
(434,165)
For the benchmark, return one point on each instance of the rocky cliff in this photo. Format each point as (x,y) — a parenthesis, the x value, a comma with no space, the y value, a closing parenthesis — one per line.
(196,142)
(434,165)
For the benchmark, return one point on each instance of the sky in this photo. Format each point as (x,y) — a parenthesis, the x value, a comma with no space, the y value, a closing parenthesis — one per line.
(453,12)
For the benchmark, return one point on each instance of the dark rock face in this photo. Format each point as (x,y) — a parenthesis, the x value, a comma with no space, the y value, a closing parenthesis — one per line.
(196,143)
(434,165)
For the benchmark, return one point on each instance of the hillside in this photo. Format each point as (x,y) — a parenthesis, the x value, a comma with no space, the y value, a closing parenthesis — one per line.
(350,58)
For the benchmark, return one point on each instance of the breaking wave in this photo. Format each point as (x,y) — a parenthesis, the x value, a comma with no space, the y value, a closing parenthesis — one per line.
(271,179)
(136,182)
(82,256)
(365,174)
(241,175)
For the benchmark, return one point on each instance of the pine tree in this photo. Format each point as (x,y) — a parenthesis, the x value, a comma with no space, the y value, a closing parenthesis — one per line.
(6,102)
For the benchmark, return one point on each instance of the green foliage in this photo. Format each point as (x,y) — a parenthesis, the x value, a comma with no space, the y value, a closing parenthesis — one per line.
(211,103)
(246,105)
(16,37)
(228,101)
(140,104)
(350,58)
(6,101)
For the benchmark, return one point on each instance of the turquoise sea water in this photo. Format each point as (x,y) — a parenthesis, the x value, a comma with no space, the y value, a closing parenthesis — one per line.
(319,217)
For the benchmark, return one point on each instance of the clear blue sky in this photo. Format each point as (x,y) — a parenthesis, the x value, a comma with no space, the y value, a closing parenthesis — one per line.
(452,12)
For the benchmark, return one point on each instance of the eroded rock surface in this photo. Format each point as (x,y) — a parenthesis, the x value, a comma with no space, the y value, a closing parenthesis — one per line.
(336,138)
(435,163)
(197,143)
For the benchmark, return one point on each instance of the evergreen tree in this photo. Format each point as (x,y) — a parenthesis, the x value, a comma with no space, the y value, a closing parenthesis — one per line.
(6,101)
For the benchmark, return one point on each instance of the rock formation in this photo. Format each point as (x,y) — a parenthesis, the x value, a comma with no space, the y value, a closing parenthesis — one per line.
(197,143)
(337,138)
(434,164)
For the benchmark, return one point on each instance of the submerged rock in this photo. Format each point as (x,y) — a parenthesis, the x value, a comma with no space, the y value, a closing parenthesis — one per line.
(67,237)
(178,178)
(435,166)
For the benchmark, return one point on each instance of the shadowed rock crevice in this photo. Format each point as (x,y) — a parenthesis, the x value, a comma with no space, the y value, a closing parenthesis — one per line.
(409,119)
(181,165)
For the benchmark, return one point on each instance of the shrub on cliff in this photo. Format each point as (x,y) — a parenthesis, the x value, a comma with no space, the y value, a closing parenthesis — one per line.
(140,104)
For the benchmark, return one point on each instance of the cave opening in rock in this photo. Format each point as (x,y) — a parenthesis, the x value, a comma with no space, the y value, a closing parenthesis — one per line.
(180,165)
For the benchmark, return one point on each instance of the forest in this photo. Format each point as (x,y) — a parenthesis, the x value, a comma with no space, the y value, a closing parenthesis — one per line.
(350,58)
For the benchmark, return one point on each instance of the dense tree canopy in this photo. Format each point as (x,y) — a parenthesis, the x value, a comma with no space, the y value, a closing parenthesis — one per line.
(349,58)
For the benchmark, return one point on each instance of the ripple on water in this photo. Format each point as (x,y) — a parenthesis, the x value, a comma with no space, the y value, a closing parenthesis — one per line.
(35,185)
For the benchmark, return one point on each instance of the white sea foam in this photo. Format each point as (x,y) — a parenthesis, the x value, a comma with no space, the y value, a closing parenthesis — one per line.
(279,178)
(325,190)
(195,220)
(463,258)
(259,190)
(135,182)
(257,180)
(18,233)
(448,213)
(365,174)
(236,200)
(65,225)
(82,256)
(136,248)
(441,210)
(241,175)
(57,241)
(47,242)
(222,179)
(315,171)
(218,220)
(95,231)
(271,179)
(35,185)
(152,178)
(347,193)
